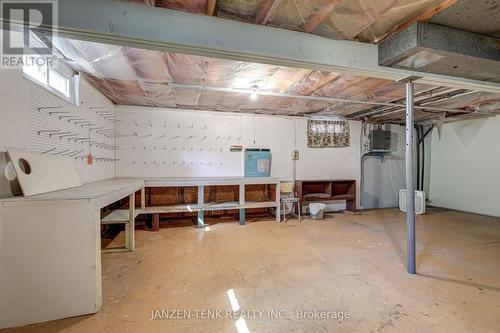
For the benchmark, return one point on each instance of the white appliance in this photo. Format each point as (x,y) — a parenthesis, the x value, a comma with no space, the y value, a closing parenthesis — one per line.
(419,201)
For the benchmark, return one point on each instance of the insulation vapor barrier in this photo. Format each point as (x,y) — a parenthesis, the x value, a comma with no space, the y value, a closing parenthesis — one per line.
(363,20)
(130,76)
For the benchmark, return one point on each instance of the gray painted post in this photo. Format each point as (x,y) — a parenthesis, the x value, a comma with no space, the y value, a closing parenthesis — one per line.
(410,189)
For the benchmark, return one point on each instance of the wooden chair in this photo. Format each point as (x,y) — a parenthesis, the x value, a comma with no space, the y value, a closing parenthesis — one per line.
(286,193)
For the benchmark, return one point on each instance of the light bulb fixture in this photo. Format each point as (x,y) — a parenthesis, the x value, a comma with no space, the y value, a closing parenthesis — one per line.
(253,93)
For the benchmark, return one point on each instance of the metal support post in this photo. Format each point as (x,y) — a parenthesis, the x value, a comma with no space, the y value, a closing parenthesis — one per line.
(410,188)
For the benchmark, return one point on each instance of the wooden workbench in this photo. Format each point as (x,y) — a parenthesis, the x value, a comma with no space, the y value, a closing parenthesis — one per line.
(50,246)
(201,205)
(50,251)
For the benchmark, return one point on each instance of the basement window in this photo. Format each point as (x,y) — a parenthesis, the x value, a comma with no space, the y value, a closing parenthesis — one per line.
(327,133)
(59,83)
(53,76)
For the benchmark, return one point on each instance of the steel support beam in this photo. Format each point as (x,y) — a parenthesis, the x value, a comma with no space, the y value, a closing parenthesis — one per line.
(129,24)
(410,188)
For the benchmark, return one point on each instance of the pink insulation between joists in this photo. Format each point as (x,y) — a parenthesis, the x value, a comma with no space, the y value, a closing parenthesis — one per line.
(364,20)
(131,76)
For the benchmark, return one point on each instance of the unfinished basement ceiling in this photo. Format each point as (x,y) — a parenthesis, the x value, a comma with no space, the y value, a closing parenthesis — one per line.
(139,77)
(478,16)
(130,76)
(362,20)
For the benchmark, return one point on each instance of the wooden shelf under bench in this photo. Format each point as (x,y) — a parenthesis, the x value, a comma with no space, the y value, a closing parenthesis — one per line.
(327,191)
(200,195)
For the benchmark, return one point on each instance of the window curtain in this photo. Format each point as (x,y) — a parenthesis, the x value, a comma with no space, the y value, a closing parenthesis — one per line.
(327,133)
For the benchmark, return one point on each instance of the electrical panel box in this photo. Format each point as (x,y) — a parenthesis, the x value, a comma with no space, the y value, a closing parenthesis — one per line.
(380,140)
(257,162)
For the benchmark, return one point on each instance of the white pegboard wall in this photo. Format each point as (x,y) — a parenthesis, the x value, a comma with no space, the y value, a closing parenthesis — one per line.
(170,143)
(61,128)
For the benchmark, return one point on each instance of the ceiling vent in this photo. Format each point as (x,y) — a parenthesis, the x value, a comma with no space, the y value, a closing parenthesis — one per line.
(431,48)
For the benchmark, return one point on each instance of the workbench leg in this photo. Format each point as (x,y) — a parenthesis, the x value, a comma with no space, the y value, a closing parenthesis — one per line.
(242,200)
(156,222)
(278,202)
(143,198)
(201,204)
(98,266)
(242,216)
(131,228)
(127,236)
(298,209)
(201,220)
(283,207)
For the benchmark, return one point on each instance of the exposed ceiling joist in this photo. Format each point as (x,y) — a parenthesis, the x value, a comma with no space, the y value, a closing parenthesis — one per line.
(110,22)
(425,15)
(378,110)
(374,18)
(267,11)
(324,81)
(468,117)
(422,102)
(296,78)
(211,7)
(323,11)
(307,97)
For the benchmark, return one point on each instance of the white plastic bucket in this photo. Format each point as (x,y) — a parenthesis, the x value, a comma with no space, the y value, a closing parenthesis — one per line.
(316,210)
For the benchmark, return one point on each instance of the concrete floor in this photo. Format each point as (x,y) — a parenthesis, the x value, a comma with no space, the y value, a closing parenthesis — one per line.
(345,263)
